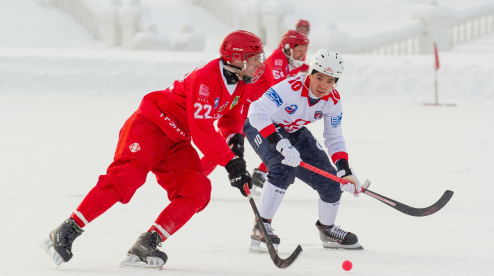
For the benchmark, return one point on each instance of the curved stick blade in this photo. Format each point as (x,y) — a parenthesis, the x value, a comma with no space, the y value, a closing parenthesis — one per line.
(416,212)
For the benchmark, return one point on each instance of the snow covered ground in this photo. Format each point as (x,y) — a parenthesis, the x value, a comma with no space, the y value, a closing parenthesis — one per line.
(55,147)
(63,99)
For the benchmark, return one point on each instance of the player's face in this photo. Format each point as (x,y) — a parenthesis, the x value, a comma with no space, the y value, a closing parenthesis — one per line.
(321,84)
(253,64)
(299,52)
(303,30)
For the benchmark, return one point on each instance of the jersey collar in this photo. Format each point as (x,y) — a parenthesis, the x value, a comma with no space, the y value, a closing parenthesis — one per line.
(305,91)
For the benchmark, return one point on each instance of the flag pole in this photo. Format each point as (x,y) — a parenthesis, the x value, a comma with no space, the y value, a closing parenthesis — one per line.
(436,90)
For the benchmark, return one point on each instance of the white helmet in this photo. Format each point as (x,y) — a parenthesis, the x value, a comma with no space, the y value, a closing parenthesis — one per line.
(327,62)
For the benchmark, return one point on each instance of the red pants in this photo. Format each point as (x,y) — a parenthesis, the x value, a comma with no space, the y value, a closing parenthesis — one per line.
(143,147)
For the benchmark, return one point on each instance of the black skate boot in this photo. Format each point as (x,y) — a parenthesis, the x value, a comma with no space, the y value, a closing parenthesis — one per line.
(334,237)
(258,242)
(61,240)
(258,179)
(144,252)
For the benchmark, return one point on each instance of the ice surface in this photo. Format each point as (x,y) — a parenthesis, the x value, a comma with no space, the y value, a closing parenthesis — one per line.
(55,147)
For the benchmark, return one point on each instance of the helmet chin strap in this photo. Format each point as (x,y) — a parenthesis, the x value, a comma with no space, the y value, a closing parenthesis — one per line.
(294,62)
(237,70)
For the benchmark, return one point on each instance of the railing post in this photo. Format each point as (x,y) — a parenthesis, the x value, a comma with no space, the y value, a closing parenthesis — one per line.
(273,12)
(436,20)
(129,16)
(110,29)
(251,18)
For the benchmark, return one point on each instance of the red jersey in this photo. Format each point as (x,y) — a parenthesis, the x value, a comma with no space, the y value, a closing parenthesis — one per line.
(276,70)
(190,106)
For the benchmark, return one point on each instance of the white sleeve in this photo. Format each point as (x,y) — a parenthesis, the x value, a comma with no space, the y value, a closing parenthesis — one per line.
(333,133)
(260,111)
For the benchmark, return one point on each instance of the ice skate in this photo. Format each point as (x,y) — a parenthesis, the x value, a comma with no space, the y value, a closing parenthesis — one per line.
(61,240)
(333,236)
(258,243)
(144,252)
(258,179)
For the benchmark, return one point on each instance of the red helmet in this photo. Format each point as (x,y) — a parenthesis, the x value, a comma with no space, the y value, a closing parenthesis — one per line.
(292,38)
(237,45)
(303,23)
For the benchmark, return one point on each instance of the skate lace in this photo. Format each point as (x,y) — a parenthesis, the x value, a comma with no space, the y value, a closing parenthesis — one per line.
(152,242)
(69,237)
(337,232)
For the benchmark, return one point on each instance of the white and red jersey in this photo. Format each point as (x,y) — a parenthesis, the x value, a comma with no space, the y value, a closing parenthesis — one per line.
(190,106)
(288,105)
(276,69)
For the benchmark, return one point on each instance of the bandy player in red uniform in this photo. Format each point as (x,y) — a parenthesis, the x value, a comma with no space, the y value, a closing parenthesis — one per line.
(157,138)
(283,63)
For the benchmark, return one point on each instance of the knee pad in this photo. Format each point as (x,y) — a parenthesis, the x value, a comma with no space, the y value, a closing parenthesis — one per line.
(331,194)
(281,175)
(108,183)
(196,192)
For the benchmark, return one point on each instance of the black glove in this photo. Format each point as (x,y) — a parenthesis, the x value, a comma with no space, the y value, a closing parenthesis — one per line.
(238,174)
(236,144)
(343,168)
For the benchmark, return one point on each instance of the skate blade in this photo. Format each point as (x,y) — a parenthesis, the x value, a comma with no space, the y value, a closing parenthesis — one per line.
(256,191)
(53,255)
(133,261)
(333,245)
(260,247)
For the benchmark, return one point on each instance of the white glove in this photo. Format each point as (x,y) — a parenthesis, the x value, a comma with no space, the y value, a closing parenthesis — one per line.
(354,187)
(292,156)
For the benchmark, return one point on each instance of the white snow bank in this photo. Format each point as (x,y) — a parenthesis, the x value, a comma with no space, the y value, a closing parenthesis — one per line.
(26,24)
(463,77)
(107,72)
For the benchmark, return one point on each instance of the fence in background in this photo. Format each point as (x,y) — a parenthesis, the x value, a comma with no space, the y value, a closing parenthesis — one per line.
(433,23)
(129,25)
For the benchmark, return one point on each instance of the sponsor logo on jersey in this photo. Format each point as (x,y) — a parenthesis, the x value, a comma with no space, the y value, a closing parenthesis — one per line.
(336,121)
(273,96)
(216,102)
(204,90)
(203,93)
(134,147)
(291,109)
(318,115)
(235,102)
(278,62)
(293,126)
(223,107)
(173,125)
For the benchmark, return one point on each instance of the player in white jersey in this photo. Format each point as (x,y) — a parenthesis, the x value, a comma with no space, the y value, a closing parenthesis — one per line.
(275,129)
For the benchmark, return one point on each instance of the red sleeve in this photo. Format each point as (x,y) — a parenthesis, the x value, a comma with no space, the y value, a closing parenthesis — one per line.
(200,113)
(339,155)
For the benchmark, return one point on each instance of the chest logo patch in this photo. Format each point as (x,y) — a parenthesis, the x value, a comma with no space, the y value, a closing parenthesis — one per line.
(235,101)
(318,115)
(223,107)
(291,109)
(336,121)
(216,102)
(274,97)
